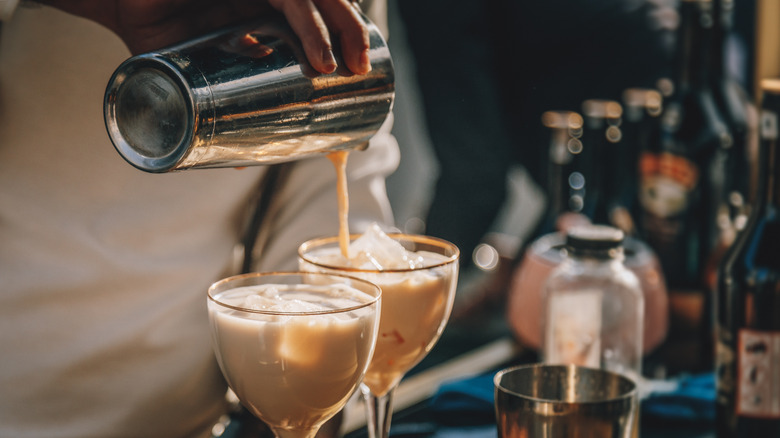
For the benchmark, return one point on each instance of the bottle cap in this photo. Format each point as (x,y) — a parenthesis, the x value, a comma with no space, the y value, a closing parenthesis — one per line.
(602,109)
(638,100)
(771,86)
(562,120)
(594,238)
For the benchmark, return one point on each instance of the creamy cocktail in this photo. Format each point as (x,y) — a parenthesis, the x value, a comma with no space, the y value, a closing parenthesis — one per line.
(418,278)
(293,347)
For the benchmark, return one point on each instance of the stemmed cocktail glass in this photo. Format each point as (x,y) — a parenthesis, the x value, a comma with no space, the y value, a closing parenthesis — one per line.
(416,304)
(293,346)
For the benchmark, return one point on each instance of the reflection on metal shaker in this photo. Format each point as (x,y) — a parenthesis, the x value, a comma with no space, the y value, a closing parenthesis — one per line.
(240,97)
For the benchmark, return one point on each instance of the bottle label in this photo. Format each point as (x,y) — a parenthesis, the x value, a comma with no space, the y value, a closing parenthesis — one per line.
(667,181)
(758,374)
(574,328)
(668,191)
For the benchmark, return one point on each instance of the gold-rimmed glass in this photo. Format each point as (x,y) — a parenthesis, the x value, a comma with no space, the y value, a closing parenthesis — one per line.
(416,304)
(293,346)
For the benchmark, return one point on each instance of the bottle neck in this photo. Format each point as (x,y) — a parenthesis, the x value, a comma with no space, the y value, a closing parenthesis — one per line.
(722,19)
(694,38)
(560,156)
(769,159)
(641,104)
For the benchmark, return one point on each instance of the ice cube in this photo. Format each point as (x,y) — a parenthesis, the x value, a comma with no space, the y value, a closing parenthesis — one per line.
(376,250)
(262,300)
(299,306)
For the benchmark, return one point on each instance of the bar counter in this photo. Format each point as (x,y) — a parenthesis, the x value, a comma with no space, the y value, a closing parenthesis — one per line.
(469,353)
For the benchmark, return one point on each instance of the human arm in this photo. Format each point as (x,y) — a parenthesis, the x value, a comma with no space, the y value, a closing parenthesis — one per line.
(152,24)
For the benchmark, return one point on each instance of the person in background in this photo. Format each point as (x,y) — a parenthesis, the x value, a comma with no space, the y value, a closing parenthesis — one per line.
(514,60)
(104,268)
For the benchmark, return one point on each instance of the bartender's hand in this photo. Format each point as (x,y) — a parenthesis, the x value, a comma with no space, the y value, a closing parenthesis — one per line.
(146,25)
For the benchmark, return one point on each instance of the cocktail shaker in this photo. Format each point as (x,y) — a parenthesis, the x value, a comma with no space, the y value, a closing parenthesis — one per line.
(242,96)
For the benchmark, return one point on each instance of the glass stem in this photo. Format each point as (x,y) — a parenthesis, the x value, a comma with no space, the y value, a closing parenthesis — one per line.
(379,412)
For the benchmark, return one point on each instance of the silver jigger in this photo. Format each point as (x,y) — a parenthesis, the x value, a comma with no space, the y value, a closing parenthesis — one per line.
(240,97)
(565,401)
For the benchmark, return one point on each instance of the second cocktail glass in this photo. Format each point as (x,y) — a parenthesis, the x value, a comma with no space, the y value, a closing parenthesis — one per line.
(416,304)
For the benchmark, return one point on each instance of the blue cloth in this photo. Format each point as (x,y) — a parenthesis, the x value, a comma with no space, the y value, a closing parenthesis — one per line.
(472,395)
(693,400)
(434,430)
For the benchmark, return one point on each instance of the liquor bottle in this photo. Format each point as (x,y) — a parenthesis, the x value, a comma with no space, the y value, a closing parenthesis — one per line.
(747,311)
(681,174)
(593,305)
(563,168)
(733,103)
(602,158)
(641,110)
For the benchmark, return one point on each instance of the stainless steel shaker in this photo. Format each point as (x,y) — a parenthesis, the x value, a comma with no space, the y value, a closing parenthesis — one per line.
(565,401)
(242,96)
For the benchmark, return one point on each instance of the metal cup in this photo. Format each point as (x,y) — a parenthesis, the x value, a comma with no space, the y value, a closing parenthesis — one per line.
(564,401)
(243,96)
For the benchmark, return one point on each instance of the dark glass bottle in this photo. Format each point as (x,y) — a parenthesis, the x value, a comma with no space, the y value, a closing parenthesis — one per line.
(747,311)
(681,174)
(602,157)
(733,103)
(641,110)
(563,167)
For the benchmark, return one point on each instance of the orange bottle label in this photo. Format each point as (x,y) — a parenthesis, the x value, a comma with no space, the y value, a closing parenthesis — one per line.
(666,183)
